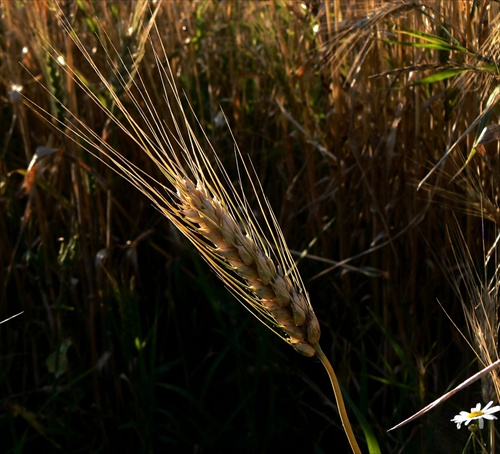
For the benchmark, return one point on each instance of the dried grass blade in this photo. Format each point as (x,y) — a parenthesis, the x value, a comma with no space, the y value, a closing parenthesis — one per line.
(11,317)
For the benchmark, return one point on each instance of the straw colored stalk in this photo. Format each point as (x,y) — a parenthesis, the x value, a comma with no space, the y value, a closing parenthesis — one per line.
(199,198)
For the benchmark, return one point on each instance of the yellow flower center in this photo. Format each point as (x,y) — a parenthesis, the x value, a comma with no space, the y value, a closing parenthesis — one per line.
(475,414)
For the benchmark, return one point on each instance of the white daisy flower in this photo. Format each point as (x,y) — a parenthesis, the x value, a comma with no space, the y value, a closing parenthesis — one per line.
(476,414)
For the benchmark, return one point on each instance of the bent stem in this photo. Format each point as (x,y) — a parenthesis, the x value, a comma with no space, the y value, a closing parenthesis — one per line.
(338,398)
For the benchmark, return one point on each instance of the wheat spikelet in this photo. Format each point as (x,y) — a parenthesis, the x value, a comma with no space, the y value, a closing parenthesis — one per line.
(199,198)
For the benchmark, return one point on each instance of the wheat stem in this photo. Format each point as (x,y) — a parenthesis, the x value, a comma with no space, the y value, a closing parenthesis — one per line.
(243,245)
(339,400)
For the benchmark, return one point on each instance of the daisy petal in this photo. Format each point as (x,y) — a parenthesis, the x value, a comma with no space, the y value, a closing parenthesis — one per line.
(488,405)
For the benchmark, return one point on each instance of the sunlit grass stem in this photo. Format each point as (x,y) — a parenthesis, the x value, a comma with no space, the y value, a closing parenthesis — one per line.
(338,398)
(243,244)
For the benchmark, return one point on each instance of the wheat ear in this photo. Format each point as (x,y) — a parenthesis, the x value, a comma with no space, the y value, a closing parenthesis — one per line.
(203,203)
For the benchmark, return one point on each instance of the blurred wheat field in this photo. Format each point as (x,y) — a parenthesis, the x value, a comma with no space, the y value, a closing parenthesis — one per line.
(344,108)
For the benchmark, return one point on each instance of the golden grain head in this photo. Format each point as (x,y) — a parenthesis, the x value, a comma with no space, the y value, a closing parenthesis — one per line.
(260,283)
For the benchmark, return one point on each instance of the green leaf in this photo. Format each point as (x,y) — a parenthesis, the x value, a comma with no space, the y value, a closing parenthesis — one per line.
(442,75)
(434,40)
(371,440)
(436,46)
(57,362)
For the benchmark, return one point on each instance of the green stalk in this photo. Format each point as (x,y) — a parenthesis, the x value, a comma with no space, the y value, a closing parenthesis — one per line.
(340,401)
